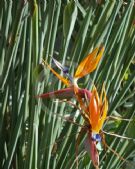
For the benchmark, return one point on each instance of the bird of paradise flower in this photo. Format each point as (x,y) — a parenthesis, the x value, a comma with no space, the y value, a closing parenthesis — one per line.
(94,114)
(87,65)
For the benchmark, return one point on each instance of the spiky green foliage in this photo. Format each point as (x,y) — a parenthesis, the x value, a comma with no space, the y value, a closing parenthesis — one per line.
(33,133)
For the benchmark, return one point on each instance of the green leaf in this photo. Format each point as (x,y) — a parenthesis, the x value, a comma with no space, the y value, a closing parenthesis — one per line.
(69,19)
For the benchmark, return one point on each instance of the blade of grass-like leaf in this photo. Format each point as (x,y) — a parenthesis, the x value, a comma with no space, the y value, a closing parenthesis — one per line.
(32,105)
(21,61)
(14,139)
(51,9)
(1,13)
(3,109)
(122,129)
(122,70)
(43,159)
(43,10)
(69,19)
(69,145)
(106,33)
(122,92)
(28,162)
(119,49)
(126,98)
(112,72)
(35,31)
(80,7)
(50,134)
(14,35)
(55,27)
(81,36)
(4,32)
(101,21)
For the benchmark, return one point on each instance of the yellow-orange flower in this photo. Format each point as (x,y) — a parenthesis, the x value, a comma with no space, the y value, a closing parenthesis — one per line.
(87,65)
(98,108)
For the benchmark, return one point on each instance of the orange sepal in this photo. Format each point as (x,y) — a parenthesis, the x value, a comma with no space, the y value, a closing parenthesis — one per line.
(103,108)
(98,108)
(65,81)
(89,63)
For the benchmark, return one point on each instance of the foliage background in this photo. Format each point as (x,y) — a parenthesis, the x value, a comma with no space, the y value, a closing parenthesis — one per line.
(31,135)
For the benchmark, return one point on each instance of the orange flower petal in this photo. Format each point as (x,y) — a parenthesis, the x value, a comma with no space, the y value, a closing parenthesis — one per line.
(104,110)
(65,81)
(89,63)
(94,116)
(98,110)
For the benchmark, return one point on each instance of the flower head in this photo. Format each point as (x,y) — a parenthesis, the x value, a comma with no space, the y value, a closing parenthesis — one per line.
(98,107)
(87,65)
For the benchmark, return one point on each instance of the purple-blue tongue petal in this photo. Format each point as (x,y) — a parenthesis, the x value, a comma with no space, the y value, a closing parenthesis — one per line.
(64,69)
(96,137)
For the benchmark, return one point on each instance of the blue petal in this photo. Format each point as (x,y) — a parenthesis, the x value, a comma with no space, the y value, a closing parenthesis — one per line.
(60,66)
(96,137)
(64,69)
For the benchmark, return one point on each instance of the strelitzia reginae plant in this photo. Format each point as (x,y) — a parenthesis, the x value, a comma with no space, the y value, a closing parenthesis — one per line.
(93,107)
(88,65)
